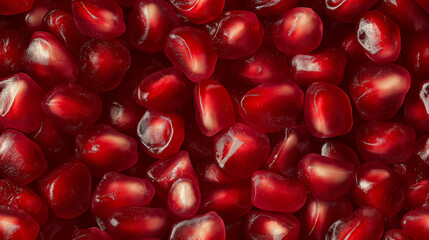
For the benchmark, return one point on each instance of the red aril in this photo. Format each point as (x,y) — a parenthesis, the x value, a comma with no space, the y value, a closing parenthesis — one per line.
(116,190)
(103,149)
(377,186)
(67,189)
(17,224)
(48,61)
(317,216)
(395,234)
(21,160)
(236,34)
(269,8)
(13,41)
(24,198)
(20,100)
(347,10)
(203,227)
(213,107)
(379,37)
(378,91)
(98,18)
(71,108)
(339,151)
(417,195)
(273,192)
(138,223)
(90,234)
(61,24)
(160,134)
(165,172)
(32,20)
(103,64)
(386,142)
(298,31)
(365,223)
(327,110)
(199,11)
(414,223)
(184,198)
(284,157)
(326,178)
(272,107)
(163,90)
(323,66)
(416,107)
(149,23)
(230,201)
(240,150)
(11,8)
(422,150)
(260,224)
(191,51)
(424,4)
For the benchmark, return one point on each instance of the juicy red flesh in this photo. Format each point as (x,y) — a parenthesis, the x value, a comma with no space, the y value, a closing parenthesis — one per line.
(214,119)
(67,189)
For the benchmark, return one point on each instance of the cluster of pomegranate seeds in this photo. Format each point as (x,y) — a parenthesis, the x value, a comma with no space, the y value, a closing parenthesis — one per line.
(214,119)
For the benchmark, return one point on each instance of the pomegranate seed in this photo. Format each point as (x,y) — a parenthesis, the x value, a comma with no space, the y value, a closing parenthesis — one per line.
(164,90)
(386,142)
(211,172)
(90,234)
(57,228)
(422,150)
(416,107)
(199,11)
(240,150)
(285,156)
(327,110)
(407,14)
(160,134)
(377,186)
(121,112)
(24,198)
(365,223)
(326,178)
(268,8)
(213,107)
(325,66)
(116,190)
(60,24)
(10,54)
(416,56)
(149,24)
(67,189)
(103,149)
(417,195)
(236,34)
(396,234)
(317,216)
(21,160)
(230,201)
(19,102)
(17,224)
(424,4)
(192,52)
(272,225)
(204,227)
(414,223)
(184,198)
(165,172)
(410,172)
(138,223)
(298,31)
(339,151)
(32,20)
(378,91)
(379,37)
(266,65)
(103,64)
(11,8)
(272,106)
(54,67)
(98,18)
(273,192)
(71,108)
(347,10)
